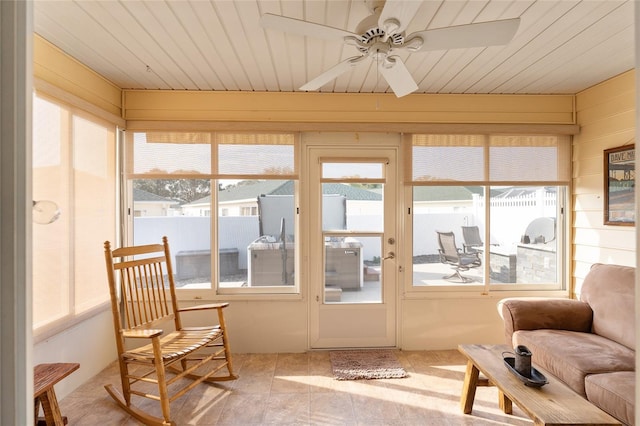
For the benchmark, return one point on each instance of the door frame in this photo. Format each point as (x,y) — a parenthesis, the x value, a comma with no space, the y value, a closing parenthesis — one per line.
(332,145)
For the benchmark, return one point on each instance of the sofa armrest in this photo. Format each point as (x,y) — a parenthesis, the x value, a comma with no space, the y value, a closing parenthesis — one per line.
(544,313)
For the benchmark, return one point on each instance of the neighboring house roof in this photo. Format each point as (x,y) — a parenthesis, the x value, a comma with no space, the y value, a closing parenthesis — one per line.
(248,191)
(278,187)
(140,195)
(521,191)
(203,200)
(351,192)
(253,190)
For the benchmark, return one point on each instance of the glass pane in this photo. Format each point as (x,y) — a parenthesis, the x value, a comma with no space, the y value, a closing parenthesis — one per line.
(524,163)
(93,208)
(238,159)
(166,153)
(524,230)
(256,233)
(448,235)
(354,206)
(452,163)
(352,269)
(352,263)
(179,209)
(524,158)
(51,260)
(353,170)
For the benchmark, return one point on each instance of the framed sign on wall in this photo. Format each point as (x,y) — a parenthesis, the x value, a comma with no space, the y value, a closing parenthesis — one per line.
(619,186)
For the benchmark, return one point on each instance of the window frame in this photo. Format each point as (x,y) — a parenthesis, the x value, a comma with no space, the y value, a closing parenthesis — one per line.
(77,312)
(216,291)
(486,288)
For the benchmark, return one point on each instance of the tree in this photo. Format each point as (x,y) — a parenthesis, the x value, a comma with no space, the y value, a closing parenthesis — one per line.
(183,190)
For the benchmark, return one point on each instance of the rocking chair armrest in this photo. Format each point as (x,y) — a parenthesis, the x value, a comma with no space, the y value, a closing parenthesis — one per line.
(148,333)
(204,307)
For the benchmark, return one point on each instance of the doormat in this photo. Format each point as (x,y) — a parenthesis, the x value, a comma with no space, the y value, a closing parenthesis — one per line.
(366,364)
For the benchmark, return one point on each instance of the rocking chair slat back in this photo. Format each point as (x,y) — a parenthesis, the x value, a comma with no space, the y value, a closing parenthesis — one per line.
(144,283)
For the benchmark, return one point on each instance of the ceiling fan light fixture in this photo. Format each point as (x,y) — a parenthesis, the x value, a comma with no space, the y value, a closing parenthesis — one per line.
(379,50)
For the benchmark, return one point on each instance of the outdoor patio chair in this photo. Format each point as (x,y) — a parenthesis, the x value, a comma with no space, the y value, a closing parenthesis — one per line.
(450,254)
(472,240)
(155,363)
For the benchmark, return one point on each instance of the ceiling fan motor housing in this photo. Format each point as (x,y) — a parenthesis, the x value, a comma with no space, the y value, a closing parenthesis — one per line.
(370,32)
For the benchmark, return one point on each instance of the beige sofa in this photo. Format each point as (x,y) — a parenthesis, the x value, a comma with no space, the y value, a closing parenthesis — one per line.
(589,343)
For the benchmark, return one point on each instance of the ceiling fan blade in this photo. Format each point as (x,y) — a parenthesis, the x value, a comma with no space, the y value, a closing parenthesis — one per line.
(304,28)
(397,75)
(492,33)
(402,11)
(332,73)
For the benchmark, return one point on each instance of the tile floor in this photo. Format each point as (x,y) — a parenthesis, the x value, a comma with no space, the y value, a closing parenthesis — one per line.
(299,389)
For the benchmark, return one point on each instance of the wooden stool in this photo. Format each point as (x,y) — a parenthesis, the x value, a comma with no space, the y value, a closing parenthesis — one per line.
(44,377)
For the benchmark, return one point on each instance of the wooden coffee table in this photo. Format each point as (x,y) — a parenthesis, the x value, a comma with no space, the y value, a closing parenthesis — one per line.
(552,404)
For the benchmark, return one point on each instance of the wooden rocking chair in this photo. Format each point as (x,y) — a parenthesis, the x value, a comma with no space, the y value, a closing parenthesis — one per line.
(146,294)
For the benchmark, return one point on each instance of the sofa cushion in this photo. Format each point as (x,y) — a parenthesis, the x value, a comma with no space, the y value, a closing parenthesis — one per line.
(532,313)
(613,393)
(571,355)
(610,292)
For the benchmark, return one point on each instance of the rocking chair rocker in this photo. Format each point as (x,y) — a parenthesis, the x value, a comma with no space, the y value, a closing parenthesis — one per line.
(144,303)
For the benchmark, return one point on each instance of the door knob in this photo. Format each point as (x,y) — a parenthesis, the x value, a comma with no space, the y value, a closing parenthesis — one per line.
(390,255)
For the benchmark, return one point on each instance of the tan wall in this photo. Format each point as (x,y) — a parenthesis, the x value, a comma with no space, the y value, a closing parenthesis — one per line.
(304,109)
(606,116)
(53,67)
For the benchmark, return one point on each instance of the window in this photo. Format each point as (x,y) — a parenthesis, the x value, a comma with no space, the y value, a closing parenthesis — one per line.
(73,166)
(498,202)
(249,211)
(253,247)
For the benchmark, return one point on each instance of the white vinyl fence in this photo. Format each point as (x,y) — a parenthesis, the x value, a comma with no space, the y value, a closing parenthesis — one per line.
(237,232)
(194,233)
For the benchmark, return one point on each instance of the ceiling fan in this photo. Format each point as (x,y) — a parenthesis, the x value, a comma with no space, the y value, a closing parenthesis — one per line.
(380,35)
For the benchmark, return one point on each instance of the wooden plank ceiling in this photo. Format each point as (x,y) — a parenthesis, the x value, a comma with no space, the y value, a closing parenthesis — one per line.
(561,47)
